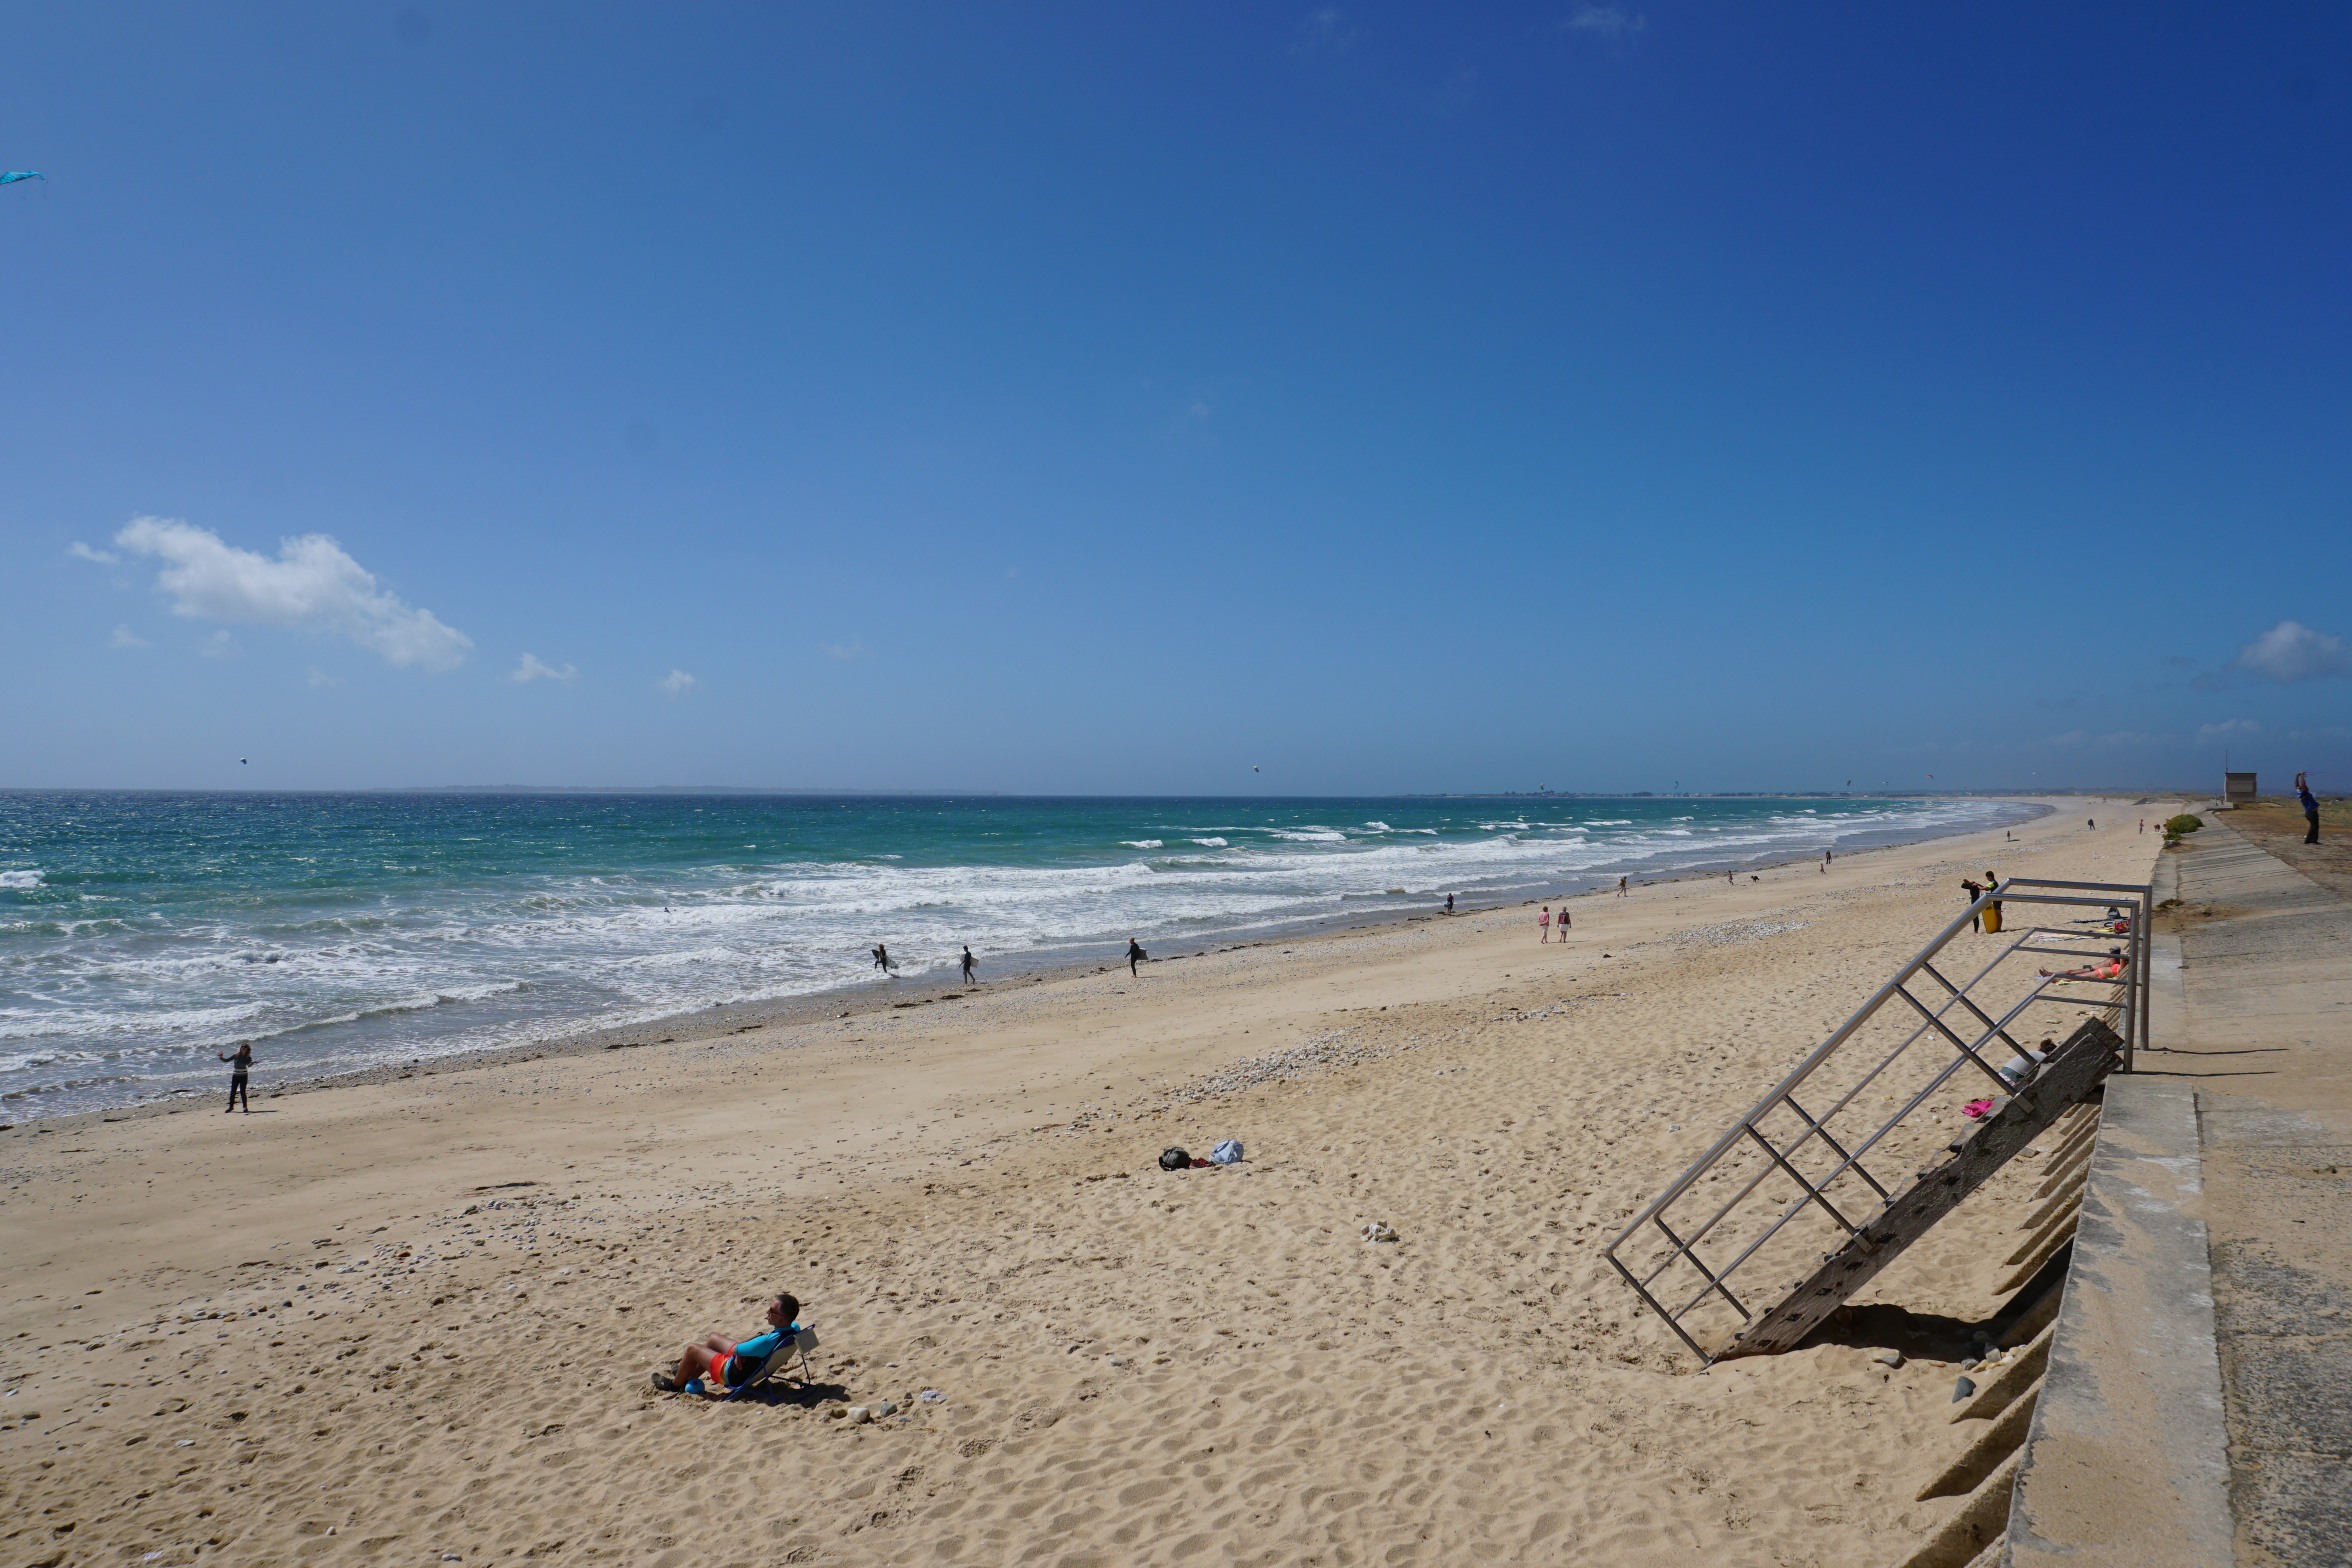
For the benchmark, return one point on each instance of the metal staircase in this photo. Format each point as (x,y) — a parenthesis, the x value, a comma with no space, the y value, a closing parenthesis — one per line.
(1803,1202)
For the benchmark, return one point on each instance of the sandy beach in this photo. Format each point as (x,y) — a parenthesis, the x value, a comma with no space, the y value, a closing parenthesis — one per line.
(412,1320)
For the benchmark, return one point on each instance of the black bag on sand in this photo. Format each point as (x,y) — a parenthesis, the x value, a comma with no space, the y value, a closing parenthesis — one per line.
(1175,1160)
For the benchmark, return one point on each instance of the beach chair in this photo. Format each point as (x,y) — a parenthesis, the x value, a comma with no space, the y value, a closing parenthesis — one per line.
(797,1343)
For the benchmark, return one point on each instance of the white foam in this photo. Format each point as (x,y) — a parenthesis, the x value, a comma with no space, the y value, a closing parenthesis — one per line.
(504,963)
(20,879)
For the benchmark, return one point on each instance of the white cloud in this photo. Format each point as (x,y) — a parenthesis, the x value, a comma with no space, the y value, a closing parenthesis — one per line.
(531,670)
(320,677)
(677,683)
(2291,652)
(124,637)
(1324,32)
(81,552)
(1609,22)
(220,646)
(312,586)
(845,650)
(2228,729)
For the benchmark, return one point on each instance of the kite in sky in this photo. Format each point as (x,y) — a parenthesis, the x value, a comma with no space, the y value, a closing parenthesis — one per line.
(11,179)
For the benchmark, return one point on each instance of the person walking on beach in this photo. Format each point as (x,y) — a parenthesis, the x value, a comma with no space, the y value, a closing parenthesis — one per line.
(1543,924)
(1564,922)
(1135,955)
(1621,887)
(238,1065)
(2310,808)
(968,966)
(1449,903)
(882,958)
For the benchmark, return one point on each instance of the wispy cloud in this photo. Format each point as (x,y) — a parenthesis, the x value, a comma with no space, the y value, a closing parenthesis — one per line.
(677,683)
(531,670)
(844,651)
(312,586)
(1325,31)
(220,646)
(2228,729)
(124,637)
(1612,23)
(81,552)
(2291,652)
(320,677)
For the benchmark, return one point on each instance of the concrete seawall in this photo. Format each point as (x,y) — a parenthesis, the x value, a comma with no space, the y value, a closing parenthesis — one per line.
(2197,1406)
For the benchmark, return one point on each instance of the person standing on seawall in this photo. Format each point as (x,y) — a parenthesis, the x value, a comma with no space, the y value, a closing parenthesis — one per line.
(2310,808)
(238,1065)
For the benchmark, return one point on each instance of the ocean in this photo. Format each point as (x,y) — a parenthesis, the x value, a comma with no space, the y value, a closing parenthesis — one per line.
(140,934)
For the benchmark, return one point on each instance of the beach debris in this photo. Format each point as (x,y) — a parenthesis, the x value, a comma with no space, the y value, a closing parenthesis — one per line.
(1888,1358)
(933,1396)
(1228,1153)
(1378,1232)
(1975,1109)
(1961,1388)
(1174,1160)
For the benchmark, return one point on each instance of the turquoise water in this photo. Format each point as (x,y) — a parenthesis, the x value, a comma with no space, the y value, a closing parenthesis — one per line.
(139,934)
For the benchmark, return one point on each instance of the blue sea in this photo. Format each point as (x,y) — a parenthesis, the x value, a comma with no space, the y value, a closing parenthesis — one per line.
(142,933)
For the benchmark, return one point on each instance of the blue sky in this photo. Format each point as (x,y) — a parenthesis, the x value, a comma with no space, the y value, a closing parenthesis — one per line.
(1113,398)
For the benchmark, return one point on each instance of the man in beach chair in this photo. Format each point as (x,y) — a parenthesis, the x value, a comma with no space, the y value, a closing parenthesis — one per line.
(724,1363)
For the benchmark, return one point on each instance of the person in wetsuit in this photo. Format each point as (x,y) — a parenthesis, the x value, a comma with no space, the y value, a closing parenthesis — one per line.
(968,966)
(1134,954)
(238,1066)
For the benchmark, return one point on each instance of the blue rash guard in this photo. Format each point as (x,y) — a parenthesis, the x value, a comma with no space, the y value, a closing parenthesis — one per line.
(2310,802)
(749,1354)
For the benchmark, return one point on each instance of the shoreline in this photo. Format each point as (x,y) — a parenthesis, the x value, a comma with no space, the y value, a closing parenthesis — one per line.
(838,1002)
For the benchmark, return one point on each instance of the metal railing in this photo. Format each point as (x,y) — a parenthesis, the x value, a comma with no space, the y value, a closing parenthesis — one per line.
(1786,1180)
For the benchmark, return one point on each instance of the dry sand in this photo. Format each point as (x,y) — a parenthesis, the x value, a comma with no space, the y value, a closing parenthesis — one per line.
(411,1322)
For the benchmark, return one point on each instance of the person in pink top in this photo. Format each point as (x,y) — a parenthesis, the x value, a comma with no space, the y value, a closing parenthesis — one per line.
(1543,924)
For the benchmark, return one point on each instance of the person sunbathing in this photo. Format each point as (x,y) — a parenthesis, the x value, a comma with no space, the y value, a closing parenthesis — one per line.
(2110,968)
(726,1363)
